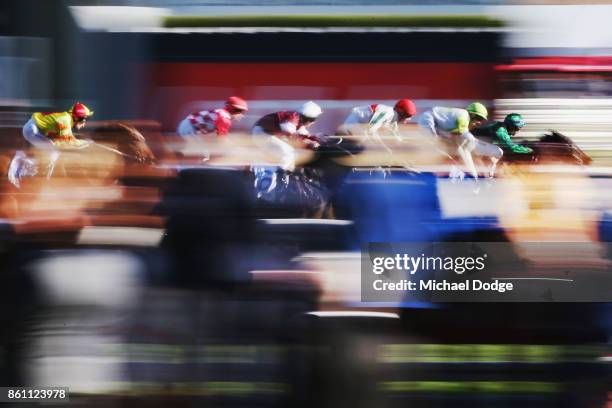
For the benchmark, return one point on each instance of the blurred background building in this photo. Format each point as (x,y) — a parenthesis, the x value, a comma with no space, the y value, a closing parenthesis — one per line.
(152,64)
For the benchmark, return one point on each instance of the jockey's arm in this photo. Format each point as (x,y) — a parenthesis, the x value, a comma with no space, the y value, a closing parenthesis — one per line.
(394,129)
(222,126)
(307,138)
(380,118)
(288,128)
(62,128)
(463,127)
(506,142)
(428,123)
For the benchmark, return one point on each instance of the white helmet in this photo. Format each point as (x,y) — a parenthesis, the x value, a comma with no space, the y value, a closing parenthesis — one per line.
(311,110)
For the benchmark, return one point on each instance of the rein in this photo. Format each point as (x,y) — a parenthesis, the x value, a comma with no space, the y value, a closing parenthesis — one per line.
(110,149)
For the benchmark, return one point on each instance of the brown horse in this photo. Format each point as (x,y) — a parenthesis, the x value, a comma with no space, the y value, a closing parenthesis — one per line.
(551,148)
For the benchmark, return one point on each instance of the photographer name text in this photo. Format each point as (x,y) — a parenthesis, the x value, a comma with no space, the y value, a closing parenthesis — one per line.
(443,285)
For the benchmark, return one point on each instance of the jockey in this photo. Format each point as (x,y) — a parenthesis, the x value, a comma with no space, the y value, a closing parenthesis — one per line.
(217,121)
(279,127)
(501,133)
(453,126)
(52,131)
(370,118)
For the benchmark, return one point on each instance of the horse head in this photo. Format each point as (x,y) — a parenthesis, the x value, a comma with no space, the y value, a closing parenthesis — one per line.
(555,146)
(325,161)
(128,141)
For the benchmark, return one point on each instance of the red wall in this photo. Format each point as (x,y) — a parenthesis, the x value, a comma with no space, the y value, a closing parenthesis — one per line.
(175,86)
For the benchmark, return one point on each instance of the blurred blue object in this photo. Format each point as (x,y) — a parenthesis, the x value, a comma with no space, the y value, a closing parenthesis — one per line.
(605,227)
(404,207)
(390,208)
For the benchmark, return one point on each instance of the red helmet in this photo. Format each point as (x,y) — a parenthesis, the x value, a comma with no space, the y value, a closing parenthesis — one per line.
(236,104)
(80,111)
(405,106)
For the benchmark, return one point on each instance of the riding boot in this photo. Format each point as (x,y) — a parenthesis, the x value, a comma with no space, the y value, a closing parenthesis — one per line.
(21,166)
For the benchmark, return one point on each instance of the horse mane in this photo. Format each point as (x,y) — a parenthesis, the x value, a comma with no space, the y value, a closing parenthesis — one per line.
(556,137)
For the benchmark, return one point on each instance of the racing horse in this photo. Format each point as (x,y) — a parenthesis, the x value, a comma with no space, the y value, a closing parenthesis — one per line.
(117,139)
(117,149)
(553,147)
(309,190)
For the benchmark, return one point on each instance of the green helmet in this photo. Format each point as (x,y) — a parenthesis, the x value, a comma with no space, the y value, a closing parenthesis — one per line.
(478,109)
(514,120)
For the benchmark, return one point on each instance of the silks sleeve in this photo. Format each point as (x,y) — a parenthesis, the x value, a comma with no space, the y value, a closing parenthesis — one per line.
(506,142)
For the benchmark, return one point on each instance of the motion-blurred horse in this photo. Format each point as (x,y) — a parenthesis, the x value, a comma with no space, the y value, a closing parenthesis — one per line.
(553,147)
(82,178)
(308,191)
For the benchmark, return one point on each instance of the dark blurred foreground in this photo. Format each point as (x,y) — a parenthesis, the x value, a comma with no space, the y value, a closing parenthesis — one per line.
(221,307)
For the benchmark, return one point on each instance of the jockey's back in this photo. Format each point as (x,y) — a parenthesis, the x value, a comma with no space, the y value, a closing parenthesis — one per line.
(54,123)
(209,121)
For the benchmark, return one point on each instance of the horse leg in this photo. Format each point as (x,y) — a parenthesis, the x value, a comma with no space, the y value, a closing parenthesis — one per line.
(318,213)
(493,166)
(329,213)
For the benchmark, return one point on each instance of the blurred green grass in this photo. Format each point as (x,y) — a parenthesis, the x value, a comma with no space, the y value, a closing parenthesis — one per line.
(472,387)
(316,20)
